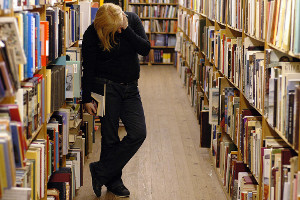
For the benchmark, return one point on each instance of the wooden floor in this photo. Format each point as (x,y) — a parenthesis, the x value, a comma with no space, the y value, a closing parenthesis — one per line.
(170,165)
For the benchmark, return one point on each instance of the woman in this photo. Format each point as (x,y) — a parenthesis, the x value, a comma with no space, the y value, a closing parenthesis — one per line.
(110,51)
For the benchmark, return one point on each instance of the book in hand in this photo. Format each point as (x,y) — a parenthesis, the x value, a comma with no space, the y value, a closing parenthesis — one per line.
(99,102)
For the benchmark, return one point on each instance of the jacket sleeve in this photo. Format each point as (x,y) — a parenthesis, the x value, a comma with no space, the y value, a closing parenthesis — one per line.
(89,55)
(135,33)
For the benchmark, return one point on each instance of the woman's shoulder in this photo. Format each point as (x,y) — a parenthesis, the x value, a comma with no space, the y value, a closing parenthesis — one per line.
(90,31)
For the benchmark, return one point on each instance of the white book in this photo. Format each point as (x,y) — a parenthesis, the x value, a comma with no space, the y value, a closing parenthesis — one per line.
(85,16)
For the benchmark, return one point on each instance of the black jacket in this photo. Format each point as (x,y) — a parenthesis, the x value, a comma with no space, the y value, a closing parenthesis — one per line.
(120,64)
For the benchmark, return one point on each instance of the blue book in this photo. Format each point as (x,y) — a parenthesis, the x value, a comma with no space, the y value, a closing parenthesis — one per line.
(38,42)
(30,36)
(16,144)
(25,41)
(93,13)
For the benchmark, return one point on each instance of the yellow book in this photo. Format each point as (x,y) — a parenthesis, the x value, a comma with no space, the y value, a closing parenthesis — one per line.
(19,17)
(48,91)
(3,180)
(33,155)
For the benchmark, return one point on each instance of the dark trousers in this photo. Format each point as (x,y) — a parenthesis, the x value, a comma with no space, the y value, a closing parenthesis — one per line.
(122,101)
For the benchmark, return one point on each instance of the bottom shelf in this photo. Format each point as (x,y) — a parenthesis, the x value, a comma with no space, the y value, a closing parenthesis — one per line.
(158,63)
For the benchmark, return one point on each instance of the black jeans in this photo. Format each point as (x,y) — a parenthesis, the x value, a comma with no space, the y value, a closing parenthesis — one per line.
(122,101)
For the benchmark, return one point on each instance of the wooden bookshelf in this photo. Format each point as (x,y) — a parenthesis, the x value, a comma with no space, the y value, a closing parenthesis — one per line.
(41,130)
(230,30)
(154,30)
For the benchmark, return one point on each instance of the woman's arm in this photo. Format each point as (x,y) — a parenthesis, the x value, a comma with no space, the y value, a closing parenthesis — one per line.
(135,33)
(89,55)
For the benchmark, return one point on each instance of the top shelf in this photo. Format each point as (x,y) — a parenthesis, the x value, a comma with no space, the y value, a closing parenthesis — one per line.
(290,53)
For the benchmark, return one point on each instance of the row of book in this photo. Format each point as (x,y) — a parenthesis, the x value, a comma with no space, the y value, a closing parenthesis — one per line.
(196,5)
(282,98)
(162,57)
(25,171)
(163,11)
(235,16)
(193,27)
(163,40)
(42,41)
(283,28)
(165,26)
(278,164)
(141,11)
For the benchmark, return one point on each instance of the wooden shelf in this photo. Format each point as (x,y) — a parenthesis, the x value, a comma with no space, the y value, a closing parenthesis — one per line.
(235,29)
(156,63)
(221,23)
(284,51)
(282,136)
(255,38)
(187,37)
(34,135)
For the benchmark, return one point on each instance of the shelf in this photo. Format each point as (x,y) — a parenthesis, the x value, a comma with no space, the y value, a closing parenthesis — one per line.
(284,51)
(188,38)
(240,90)
(162,47)
(280,134)
(255,38)
(156,63)
(235,29)
(34,135)
(221,23)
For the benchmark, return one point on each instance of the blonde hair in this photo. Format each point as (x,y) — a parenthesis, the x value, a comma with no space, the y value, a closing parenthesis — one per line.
(107,21)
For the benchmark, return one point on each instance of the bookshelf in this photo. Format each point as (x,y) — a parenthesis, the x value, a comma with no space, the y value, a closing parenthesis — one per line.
(239,61)
(160,22)
(36,38)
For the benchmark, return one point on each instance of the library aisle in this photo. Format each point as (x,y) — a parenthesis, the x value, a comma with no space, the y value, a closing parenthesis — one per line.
(170,165)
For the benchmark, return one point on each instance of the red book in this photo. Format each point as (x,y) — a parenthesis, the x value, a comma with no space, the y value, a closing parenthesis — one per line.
(44,34)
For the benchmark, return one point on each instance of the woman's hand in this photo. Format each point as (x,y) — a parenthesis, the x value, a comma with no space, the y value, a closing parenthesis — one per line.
(90,108)
(124,24)
(125,21)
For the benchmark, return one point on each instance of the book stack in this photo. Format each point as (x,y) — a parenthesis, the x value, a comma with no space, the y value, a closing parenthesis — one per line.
(249,78)
(165,26)
(141,11)
(282,97)
(162,11)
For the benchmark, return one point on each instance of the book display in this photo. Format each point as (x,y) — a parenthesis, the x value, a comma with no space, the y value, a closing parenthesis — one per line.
(43,142)
(239,62)
(159,18)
